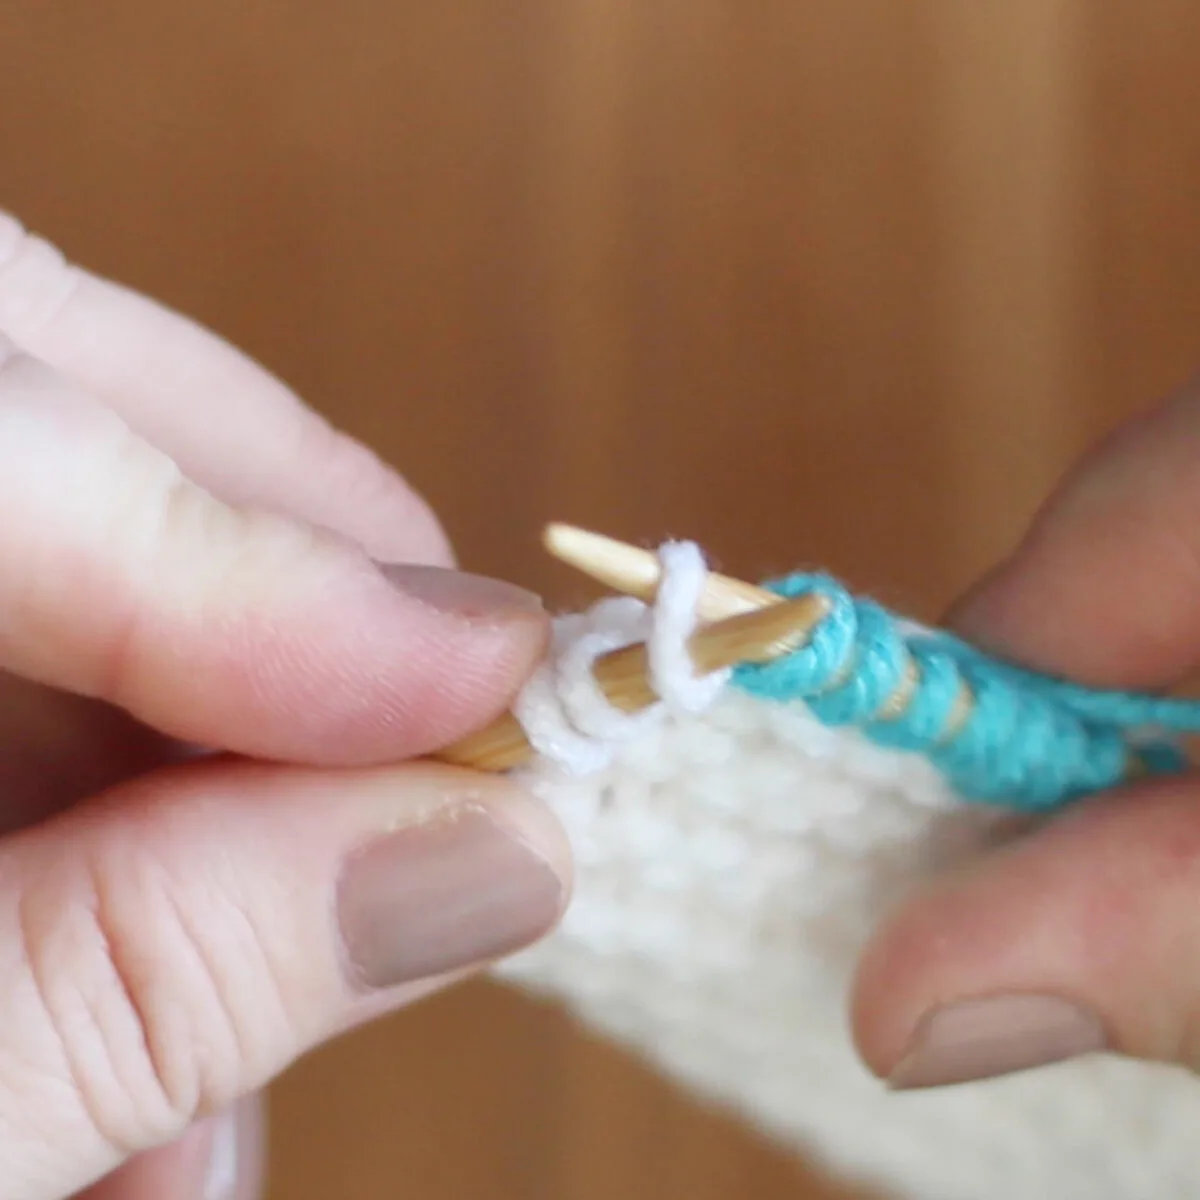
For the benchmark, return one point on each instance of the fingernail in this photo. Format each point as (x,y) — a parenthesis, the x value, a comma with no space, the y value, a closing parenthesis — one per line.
(997,1035)
(454,892)
(471,596)
(235,1156)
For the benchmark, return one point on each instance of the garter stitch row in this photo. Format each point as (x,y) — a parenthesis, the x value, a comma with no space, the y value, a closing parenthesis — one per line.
(997,732)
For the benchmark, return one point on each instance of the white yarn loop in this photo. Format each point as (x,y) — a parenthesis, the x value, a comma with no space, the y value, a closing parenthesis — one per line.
(563,710)
(616,623)
(673,674)
(550,734)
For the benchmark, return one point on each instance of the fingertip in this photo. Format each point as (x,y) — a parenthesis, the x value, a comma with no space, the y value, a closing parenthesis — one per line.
(478,877)
(470,643)
(514,808)
(506,799)
(227,626)
(474,597)
(526,817)
(896,979)
(1071,940)
(1009,927)
(382,665)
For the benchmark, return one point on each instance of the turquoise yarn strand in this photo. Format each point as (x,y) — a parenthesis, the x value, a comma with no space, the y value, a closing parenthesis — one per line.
(1024,740)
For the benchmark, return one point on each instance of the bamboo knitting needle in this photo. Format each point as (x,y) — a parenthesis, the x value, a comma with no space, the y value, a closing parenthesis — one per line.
(757,636)
(636,572)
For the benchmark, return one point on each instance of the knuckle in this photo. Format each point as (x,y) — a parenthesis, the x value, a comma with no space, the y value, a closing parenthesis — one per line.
(93,500)
(117,549)
(142,1016)
(36,282)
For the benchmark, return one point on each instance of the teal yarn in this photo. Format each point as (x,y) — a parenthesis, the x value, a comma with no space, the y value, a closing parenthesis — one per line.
(1027,741)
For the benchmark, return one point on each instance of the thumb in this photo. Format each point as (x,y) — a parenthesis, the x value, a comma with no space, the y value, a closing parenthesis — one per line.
(169,948)
(124,581)
(1081,937)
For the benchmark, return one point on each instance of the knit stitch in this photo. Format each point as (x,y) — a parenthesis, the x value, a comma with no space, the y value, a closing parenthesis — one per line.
(563,711)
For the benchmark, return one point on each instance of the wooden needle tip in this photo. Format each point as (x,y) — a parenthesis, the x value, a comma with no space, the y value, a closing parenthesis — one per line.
(614,564)
(637,572)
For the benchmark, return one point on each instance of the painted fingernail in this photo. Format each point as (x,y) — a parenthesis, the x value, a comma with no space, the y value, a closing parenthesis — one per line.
(457,891)
(470,596)
(996,1035)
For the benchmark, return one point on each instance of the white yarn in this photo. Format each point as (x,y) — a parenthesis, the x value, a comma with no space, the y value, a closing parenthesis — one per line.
(563,711)
(672,673)
(564,714)
(730,864)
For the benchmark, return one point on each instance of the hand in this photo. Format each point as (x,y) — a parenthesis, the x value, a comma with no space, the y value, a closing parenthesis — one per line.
(1085,934)
(190,559)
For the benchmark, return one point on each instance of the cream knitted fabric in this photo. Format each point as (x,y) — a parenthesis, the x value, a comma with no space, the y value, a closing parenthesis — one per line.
(730,865)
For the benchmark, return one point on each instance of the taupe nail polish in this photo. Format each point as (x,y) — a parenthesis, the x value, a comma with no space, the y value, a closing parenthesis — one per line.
(453,892)
(996,1035)
(470,596)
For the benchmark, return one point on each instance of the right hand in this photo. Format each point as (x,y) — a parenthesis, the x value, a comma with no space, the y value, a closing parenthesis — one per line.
(1082,936)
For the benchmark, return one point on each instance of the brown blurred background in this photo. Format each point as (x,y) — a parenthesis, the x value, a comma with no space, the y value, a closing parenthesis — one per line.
(812,282)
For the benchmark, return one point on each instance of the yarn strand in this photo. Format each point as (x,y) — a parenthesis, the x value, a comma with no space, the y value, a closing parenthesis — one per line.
(998,732)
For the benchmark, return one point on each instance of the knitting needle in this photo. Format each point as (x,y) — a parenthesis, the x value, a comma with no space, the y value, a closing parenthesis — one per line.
(636,572)
(756,636)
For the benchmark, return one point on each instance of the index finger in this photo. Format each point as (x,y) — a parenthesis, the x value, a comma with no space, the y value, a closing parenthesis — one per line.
(225,626)
(230,425)
(1105,589)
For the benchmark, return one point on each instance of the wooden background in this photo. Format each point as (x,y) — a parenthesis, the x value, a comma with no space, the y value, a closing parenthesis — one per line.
(813,282)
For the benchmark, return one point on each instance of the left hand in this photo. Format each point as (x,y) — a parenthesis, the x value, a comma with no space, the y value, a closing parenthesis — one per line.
(227,633)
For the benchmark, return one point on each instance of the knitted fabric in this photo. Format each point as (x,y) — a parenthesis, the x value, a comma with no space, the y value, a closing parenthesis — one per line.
(733,854)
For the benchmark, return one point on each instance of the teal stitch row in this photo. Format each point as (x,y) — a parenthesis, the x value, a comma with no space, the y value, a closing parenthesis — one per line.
(1025,740)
